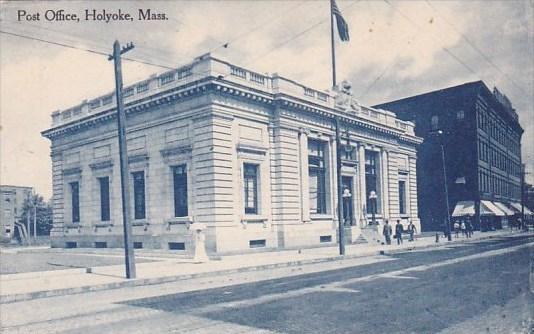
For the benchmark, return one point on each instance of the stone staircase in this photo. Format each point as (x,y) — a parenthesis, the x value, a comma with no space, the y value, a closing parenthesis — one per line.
(365,235)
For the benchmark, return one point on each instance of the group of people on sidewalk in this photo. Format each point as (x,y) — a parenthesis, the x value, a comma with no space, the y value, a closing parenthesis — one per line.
(465,227)
(387,231)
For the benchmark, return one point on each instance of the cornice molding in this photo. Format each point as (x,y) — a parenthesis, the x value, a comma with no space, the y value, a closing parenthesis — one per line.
(212,85)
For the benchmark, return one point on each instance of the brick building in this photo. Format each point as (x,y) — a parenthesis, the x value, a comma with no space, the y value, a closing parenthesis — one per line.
(11,204)
(481,136)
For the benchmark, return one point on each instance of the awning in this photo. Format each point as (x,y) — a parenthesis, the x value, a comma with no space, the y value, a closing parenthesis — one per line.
(489,206)
(464,208)
(517,207)
(504,208)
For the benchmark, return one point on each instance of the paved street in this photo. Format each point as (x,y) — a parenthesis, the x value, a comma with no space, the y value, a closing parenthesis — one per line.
(478,287)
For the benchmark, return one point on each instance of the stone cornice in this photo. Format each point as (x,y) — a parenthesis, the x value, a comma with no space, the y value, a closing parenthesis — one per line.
(142,157)
(214,85)
(72,171)
(101,164)
(166,152)
(254,149)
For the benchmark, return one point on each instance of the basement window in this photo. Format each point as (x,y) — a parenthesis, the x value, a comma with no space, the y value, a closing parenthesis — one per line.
(257,243)
(176,246)
(101,244)
(137,245)
(71,244)
(325,238)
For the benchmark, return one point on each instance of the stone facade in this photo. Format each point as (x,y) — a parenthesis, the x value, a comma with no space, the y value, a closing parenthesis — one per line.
(238,144)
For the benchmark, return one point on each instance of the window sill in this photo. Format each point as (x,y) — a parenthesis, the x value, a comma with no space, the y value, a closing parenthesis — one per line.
(102,224)
(72,225)
(186,220)
(180,220)
(254,219)
(140,222)
(320,216)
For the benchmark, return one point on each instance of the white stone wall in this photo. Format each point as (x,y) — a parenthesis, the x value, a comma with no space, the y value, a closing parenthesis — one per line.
(214,134)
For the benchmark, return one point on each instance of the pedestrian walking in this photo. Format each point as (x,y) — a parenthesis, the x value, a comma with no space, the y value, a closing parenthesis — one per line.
(470,229)
(456,229)
(398,232)
(463,227)
(387,231)
(412,230)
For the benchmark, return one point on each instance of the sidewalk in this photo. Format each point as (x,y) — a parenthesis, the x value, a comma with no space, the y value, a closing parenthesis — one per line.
(31,285)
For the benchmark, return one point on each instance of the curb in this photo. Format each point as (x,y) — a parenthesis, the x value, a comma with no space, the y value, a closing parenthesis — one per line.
(167,279)
(160,280)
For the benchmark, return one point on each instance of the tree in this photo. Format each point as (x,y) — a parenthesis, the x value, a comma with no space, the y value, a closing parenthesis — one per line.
(36,206)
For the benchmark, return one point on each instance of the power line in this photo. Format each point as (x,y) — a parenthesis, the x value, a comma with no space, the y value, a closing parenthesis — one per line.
(54,43)
(270,20)
(101,43)
(476,48)
(303,32)
(83,49)
(446,50)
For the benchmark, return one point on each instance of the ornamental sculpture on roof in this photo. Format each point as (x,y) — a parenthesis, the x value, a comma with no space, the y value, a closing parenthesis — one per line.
(344,99)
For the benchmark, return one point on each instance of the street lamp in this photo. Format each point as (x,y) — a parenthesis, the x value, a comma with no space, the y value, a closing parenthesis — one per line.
(373,201)
(347,196)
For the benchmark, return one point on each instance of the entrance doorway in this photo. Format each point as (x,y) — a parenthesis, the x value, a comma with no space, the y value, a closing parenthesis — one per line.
(348,193)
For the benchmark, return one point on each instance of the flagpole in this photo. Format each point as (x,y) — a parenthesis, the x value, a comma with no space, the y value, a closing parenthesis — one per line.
(332,42)
(341,226)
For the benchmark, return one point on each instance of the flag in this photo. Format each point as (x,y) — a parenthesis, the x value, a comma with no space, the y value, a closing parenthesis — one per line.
(342,26)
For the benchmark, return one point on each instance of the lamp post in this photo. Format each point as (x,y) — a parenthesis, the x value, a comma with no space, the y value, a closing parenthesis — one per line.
(347,196)
(373,200)
(439,133)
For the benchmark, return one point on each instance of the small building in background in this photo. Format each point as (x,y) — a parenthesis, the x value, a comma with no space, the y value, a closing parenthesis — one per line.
(481,136)
(11,204)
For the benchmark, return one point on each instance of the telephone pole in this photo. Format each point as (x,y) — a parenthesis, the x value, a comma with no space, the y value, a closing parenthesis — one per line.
(123,153)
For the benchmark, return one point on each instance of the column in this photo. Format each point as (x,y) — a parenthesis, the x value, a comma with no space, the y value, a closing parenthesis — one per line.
(385,184)
(332,167)
(361,174)
(304,176)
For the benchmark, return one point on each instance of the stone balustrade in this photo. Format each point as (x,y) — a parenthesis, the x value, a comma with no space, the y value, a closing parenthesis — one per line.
(206,66)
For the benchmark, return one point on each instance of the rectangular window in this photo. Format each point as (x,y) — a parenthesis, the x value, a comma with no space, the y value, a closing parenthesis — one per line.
(402,197)
(139,195)
(434,122)
(104,198)
(180,190)
(75,201)
(371,181)
(176,245)
(317,176)
(250,181)
(257,243)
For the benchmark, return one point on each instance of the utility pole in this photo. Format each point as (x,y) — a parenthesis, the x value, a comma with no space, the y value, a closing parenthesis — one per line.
(523,172)
(34,202)
(446,192)
(28,213)
(123,153)
(339,191)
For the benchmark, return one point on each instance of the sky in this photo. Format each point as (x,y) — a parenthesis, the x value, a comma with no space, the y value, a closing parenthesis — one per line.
(396,49)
